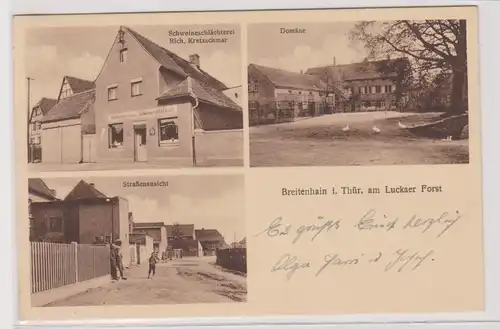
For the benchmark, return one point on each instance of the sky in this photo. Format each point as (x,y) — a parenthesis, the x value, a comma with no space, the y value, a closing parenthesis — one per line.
(296,52)
(52,53)
(215,201)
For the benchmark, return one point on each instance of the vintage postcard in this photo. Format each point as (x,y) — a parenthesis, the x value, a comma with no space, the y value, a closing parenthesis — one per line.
(262,163)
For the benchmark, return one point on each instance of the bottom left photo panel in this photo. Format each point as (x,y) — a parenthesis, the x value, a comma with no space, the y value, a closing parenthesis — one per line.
(137,240)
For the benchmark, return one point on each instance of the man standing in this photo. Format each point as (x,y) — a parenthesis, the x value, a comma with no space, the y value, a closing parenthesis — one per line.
(119,258)
(113,262)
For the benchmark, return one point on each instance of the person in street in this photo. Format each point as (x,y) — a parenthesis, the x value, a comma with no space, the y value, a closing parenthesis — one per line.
(153,259)
(119,258)
(113,262)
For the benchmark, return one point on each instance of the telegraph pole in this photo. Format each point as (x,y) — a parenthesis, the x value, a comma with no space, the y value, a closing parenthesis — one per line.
(30,153)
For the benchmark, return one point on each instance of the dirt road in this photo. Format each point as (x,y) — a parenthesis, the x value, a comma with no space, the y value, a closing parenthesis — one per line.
(185,281)
(320,141)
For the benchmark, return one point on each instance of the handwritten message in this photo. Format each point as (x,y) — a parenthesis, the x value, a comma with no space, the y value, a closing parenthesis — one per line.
(398,260)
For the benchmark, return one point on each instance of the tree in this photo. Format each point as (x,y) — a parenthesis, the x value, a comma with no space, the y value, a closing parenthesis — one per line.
(432,45)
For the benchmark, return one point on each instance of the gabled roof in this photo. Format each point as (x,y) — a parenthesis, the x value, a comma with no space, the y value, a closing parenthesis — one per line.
(38,186)
(45,104)
(363,70)
(185,229)
(286,79)
(79,85)
(149,225)
(71,107)
(175,63)
(84,190)
(202,91)
(208,235)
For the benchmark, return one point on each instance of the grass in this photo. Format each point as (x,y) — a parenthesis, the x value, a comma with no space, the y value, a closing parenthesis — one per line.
(320,141)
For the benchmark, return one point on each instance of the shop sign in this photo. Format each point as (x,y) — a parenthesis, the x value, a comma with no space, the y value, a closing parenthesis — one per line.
(163,111)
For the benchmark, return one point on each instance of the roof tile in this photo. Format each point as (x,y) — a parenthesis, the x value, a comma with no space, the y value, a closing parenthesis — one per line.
(71,107)
(287,79)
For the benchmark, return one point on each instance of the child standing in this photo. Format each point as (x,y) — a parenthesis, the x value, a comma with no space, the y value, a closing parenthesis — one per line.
(152,264)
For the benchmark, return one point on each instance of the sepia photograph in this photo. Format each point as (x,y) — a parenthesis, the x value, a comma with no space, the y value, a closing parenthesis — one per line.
(137,240)
(358,93)
(119,97)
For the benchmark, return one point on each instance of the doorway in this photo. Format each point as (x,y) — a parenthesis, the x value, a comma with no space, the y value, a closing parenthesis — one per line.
(140,149)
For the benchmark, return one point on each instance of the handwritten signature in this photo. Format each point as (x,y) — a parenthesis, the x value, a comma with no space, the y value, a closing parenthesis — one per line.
(445,221)
(277,228)
(399,261)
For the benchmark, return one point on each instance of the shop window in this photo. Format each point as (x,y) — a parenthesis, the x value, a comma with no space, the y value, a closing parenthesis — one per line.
(168,131)
(123,55)
(112,93)
(116,135)
(135,88)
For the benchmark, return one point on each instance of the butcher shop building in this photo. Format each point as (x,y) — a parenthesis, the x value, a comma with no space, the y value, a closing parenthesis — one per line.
(147,104)
(152,105)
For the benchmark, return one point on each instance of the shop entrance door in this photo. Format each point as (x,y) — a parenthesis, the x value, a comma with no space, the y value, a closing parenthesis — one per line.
(140,150)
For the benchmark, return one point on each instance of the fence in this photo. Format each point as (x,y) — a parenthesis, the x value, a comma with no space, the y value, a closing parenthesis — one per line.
(232,259)
(285,111)
(55,265)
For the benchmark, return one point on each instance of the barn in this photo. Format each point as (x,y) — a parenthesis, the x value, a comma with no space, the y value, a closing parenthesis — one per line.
(68,130)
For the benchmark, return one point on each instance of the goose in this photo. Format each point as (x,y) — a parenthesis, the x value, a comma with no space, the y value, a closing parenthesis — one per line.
(376,130)
(402,126)
(449,138)
(346,128)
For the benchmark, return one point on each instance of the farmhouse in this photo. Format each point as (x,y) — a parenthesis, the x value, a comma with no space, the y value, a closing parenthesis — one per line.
(365,86)
(66,127)
(211,240)
(278,93)
(152,105)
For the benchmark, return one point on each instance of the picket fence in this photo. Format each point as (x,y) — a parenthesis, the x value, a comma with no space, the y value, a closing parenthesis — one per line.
(55,265)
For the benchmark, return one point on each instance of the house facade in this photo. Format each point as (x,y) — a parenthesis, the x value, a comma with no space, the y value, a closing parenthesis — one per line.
(38,192)
(35,128)
(141,247)
(211,240)
(66,127)
(280,95)
(152,105)
(365,86)
(235,94)
(186,248)
(85,216)
(157,231)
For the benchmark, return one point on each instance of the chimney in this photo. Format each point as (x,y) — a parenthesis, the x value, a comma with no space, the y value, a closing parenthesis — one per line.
(334,61)
(92,184)
(194,59)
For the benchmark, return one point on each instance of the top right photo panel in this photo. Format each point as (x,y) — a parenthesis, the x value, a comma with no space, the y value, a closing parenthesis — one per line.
(358,93)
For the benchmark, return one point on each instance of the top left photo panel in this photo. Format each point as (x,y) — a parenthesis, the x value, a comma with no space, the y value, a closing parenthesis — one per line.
(132,97)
